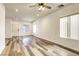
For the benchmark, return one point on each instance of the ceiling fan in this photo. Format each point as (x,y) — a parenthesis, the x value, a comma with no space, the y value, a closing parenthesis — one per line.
(41,6)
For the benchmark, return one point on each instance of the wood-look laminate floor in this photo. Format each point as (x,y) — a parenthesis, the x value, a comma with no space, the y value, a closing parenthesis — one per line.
(32,46)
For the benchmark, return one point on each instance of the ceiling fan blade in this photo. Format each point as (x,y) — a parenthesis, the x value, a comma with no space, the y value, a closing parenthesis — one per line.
(33,5)
(41,4)
(48,7)
(60,6)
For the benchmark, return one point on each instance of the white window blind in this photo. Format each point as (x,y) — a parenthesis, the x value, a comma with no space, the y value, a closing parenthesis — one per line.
(75,26)
(69,27)
(63,27)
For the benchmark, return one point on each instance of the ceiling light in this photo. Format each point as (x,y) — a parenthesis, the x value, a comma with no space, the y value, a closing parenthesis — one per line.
(37,14)
(41,8)
(17,10)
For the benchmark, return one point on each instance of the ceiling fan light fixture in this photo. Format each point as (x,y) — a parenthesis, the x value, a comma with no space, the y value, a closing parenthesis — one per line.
(60,6)
(41,8)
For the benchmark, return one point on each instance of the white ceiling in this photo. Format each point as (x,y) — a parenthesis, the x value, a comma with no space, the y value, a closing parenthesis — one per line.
(27,13)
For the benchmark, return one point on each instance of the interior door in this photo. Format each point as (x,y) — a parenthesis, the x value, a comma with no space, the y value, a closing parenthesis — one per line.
(15,29)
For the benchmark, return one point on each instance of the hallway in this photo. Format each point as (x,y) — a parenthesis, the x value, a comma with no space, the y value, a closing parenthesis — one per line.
(33,46)
(39,29)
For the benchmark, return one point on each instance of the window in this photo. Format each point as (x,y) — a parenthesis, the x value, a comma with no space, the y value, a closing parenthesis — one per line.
(69,27)
(34,28)
(25,28)
(63,27)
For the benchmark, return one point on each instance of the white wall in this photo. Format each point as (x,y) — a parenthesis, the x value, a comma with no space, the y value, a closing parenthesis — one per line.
(2,28)
(8,28)
(48,27)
